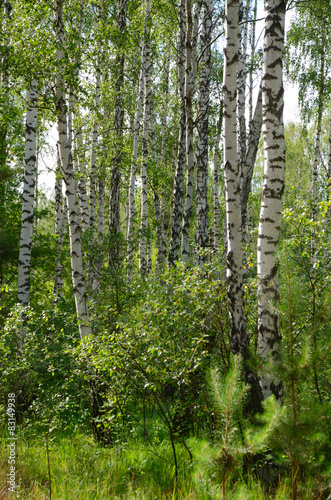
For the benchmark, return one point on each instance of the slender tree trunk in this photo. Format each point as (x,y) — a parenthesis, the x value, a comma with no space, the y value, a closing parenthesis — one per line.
(232,174)
(24,259)
(179,177)
(316,160)
(159,242)
(247,171)
(201,234)
(60,225)
(94,146)
(82,190)
(97,274)
(328,199)
(114,200)
(251,68)
(132,182)
(163,249)
(241,103)
(144,147)
(64,148)
(272,193)
(216,184)
(234,270)
(190,79)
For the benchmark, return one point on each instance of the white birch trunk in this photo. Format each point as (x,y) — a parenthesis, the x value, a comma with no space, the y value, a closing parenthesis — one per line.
(114,200)
(272,194)
(239,341)
(216,183)
(247,171)
(179,177)
(201,234)
(232,176)
(64,148)
(82,190)
(328,199)
(163,243)
(24,259)
(241,85)
(60,225)
(144,147)
(250,103)
(190,80)
(95,134)
(133,173)
(156,199)
(315,166)
(97,271)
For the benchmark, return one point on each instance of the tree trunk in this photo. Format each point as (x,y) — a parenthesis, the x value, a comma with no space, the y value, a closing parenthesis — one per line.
(64,148)
(216,174)
(24,259)
(144,148)
(234,270)
(179,177)
(247,170)
(272,193)
(132,182)
(60,225)
(201,234)
(114,200)
(251,66)
(316,161)
(328,199)
(190,79)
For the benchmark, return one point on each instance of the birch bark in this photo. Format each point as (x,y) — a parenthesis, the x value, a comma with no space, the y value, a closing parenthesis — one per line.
(247,171)
(133,173)
(234,271)
(114,200)
(64,148)
(60,225)
(216,183)
(315,165)
(179,177)
(328,199)
(24,259)
(190,80)
(201,234)
(272,194)
(144,148)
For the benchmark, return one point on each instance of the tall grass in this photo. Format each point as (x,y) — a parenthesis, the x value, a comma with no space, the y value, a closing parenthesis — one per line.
(82,470)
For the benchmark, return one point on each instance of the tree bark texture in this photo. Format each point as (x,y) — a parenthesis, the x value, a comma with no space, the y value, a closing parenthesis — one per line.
(234,259)
(272,194)
(201,234)
(179,177)
(115,180)
(24,259)
(144,151)
(133,173)
(64,148)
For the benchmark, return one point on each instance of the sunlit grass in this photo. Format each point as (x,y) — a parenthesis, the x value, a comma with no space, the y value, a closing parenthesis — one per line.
(82,470)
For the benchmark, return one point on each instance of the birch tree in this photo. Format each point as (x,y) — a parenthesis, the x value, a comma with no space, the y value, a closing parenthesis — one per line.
(133,171)
(24,259)
(234,259)
(190,80)
(201,234)
(179,177)
(114,200)
(64,148)
(144,147)
(272,193)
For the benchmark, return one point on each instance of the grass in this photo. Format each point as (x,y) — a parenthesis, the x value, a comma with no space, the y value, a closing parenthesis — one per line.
(82,470)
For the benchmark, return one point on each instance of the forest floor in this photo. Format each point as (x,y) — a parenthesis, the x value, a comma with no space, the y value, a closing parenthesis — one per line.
(77,468)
